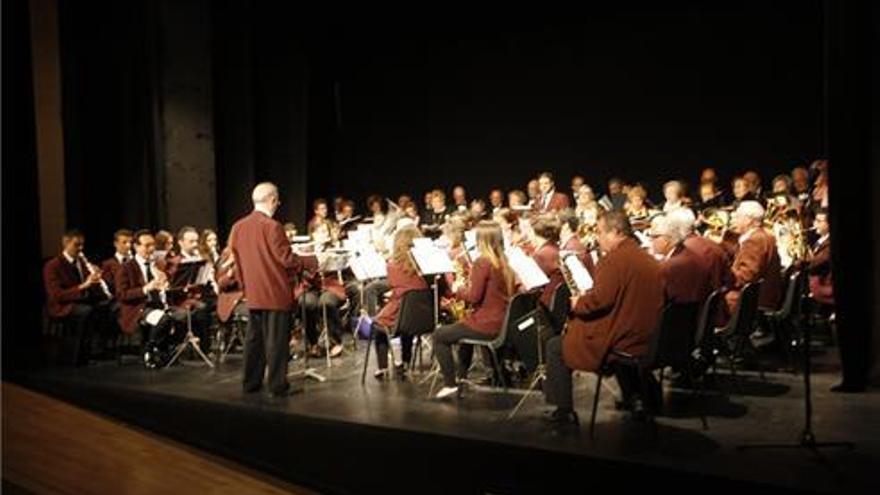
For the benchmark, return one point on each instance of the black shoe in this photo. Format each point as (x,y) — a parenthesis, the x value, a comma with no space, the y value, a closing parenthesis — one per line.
(848,388)
(283,392)
(400,371)
(562,419)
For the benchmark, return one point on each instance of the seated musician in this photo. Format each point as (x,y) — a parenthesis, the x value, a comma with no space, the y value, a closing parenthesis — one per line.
(459,199)
(756,259)
(436,215)
(290,231)
(753,179)
(321,295)
(800,182)
(533,190)
(673,195)
(517,198)
(491,285)
(76,295)
(402,278)
(478,210)
(710,196)
(741,192)
(820,280)
(201,296)
(322,230)
(141,287)
(122,239)
(570,242)
(616,198)
(509,222)
(550,199)
(496,201)
(636,208)
(164,244)
(620,312)
(209,246)
(710,253)
(687,279)
(545,243)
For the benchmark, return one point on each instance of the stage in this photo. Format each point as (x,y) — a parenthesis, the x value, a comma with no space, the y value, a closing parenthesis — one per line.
(340,437)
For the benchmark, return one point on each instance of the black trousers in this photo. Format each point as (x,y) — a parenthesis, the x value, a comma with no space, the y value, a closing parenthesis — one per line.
(380,337)
(76,344)
(313,305)
(169,331)
(266,346)
(557,386)
(443,339)
(373,293)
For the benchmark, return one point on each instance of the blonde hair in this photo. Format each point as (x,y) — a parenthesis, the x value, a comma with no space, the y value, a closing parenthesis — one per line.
(403,241)
(490,243)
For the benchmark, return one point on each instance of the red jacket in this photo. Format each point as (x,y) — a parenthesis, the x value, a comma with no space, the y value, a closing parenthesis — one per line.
(61,281)
(230,291)
(557,201)
(109,267)
(547,257)
(686,277)
(267,266)
(621,310)
(757,258)
(129,286)
(488,296)
(401,282)
(820,280)
(713,258)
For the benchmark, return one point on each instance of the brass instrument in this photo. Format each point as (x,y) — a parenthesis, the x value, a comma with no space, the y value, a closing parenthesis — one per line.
(717,222)
(94,269)
(458,308)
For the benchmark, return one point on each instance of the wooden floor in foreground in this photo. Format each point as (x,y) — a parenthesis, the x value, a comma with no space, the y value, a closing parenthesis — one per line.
(50,446)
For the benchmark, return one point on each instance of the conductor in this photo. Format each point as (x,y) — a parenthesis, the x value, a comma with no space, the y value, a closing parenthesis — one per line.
(267,268)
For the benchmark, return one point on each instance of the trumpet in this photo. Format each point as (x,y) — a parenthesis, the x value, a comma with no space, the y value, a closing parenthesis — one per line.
(93,270)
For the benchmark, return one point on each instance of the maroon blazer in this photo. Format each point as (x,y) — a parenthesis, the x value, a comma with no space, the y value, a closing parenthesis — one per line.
(757,258)
(129,292)
(61,281)
(547,257)
(686,278)
(713,259)
(820,281)
(575,245)
(267,266)
(621,311)
(487,295)
(401,282)
(557,201)
(109,267)
(230,290)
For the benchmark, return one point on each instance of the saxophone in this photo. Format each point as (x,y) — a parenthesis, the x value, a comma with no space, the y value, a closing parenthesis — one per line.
(566,273)
(458,308)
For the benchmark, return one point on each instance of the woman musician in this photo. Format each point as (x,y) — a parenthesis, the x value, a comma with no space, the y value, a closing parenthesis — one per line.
(492,284)
(318,294)
(402,278)
(322,229)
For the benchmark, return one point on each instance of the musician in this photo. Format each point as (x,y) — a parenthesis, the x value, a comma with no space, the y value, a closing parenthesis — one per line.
(673,193)
(209,246)
(508,220)
(712,256)
(478,210)
(402,278)
(492,284)
(290,231)
(687,278)
(496,200)
(122,252)
(141,286)
(266,267)
(615,199)
(800,180)
(741,191)
(164,244)
(338,201)
(710,196)
(819,268)
(322,230)
(549,199)
(201,298)
(517,198)
(74,294)
(459,199)
(569,240)
(545,246)
(412,212)
(533,189)
(756,258)
(436,216)
(620,312)
(576,182)
(754,183)
(637,209)
(709,175)
(322,294)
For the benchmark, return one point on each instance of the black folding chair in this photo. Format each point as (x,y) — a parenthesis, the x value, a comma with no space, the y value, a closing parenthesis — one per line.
(734,337)
(416,318)
(781,321)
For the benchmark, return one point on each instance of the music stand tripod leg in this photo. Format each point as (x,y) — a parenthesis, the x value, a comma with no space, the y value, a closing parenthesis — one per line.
(540,374)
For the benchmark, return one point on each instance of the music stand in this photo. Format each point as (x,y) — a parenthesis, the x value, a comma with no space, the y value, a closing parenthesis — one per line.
(185,276)
(432,261)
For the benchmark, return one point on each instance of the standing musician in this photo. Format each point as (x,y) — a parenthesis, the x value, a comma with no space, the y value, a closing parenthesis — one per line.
(141,286)
(545,245)
(75,293)
(402,278)
(549,199)
(492,284)
(266,269)
(620,312)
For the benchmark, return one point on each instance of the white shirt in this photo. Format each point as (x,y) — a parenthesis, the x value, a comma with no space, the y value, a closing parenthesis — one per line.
(121,258)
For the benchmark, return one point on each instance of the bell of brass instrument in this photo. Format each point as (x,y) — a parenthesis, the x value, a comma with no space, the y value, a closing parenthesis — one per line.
(458,308)
(717,222)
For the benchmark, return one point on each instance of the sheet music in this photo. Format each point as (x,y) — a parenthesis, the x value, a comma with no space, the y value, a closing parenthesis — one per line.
(470,238)
(527,270)
(431,260)
(371,263)
(424,243)
(579,273)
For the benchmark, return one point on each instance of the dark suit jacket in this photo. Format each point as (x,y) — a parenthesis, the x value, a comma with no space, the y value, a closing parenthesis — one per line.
(621,311)
(61,281)
(129,292)
(267,266)
(400,282)
(487,295)
(109,267)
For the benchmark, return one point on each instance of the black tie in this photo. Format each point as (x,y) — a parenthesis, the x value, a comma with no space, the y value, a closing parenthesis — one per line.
(79,273)
(149,272)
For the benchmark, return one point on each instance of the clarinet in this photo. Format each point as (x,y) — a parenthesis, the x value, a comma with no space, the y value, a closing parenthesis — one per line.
(91,268)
